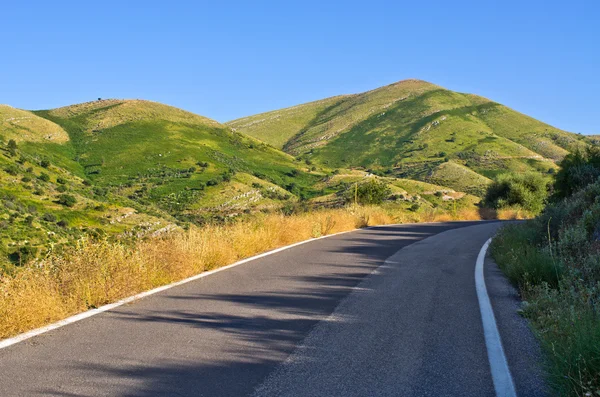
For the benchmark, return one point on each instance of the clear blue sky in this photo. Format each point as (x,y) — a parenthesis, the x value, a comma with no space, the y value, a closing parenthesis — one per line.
(229,59)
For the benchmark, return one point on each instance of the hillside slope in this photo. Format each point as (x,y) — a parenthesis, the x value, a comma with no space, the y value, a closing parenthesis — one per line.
(412,125)
(178,161)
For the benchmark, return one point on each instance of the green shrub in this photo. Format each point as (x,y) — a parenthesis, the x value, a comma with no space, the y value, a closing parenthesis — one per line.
(48,217)
(577,170)
(61,181)
(44,177)
(226,176)
(67,200)
(11,170)
(12,147)
(100,191)
(24,254)
(528,191)
(372,192)
(525,263)
(45,163)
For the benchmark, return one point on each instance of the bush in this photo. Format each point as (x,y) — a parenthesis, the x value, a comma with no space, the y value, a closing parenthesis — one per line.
(11,170)
(226,176)
(29,220)
(61,181)
(67,200)
(48,217)
(528,191)
(525,263)
(12,147)
(372,192)
(24,254)
(44,177)
(577,170)
(61,189)
(100,191)
(45,163)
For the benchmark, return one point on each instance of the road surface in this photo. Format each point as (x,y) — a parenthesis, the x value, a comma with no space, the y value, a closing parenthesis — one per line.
(388,311)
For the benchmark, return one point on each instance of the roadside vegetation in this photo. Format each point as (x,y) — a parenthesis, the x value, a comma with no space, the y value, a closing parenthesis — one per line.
(105,199)
(555,261)
(97,271)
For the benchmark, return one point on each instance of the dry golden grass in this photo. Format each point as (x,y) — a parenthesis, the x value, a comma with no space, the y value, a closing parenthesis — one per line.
(99,272)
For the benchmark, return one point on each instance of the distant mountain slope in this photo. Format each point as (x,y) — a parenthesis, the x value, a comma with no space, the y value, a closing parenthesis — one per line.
(279,126)
(24,126)
(392,128)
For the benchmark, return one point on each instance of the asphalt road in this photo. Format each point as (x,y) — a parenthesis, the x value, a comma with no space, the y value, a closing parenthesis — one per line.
(389,311)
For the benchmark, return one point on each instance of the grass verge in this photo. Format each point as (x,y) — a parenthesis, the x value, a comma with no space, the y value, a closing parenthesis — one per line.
(555,261)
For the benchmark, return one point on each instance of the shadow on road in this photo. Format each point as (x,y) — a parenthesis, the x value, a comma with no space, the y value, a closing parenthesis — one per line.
(228,342)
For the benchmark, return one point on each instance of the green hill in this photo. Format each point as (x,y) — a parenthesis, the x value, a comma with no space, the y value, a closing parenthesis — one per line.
(410,128)
(180,162)
(131,168)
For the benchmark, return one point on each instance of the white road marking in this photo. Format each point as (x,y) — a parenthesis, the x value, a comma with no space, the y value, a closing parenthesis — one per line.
(503,382)
(38,331)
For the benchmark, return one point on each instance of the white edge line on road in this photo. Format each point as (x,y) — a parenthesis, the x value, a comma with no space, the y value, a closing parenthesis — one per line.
(503,381)
(92,312)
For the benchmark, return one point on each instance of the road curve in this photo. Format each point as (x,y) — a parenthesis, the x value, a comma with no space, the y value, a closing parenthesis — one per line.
(327,318)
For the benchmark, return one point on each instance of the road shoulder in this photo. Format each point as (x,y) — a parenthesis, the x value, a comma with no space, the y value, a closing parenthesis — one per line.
(521,347)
